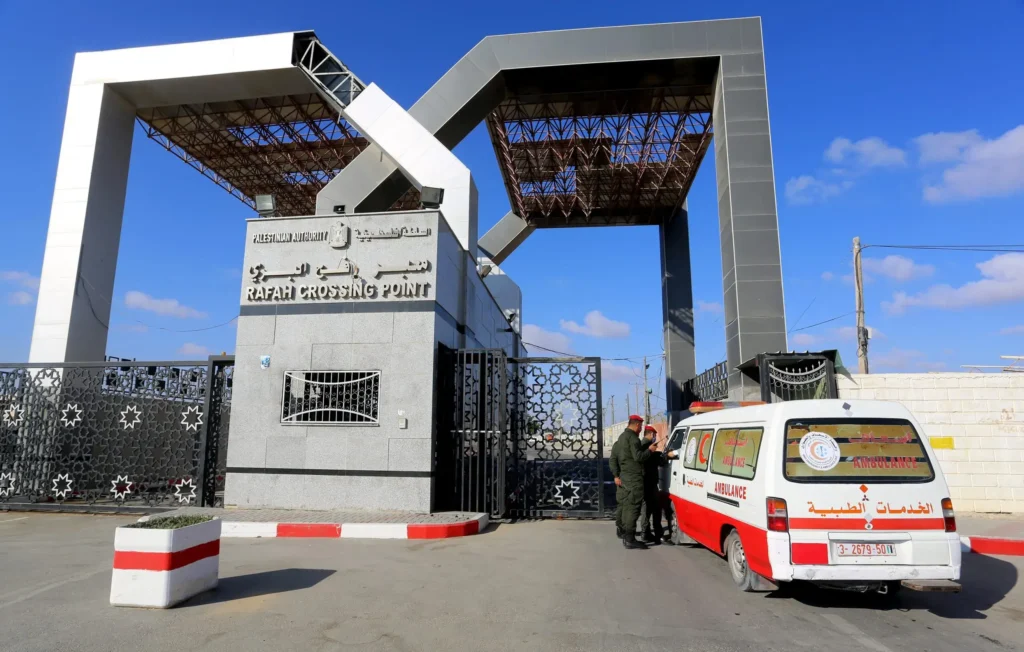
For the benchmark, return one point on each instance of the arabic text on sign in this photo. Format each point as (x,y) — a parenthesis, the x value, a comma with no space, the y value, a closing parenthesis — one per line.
(872,438)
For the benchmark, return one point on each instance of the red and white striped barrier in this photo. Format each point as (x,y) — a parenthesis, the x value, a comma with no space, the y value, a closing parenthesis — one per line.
(243,529)
(160,568)
(992,546)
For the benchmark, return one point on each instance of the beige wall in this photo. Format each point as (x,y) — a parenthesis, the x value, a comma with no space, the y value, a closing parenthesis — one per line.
(976,424)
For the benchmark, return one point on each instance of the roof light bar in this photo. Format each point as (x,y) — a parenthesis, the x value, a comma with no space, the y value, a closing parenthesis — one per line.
(700,407)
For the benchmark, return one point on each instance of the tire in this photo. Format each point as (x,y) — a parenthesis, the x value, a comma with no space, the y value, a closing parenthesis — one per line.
(677,536)
(744,578)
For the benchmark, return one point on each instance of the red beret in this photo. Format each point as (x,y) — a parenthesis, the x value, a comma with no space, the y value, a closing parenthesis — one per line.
(650,429)
(635,417)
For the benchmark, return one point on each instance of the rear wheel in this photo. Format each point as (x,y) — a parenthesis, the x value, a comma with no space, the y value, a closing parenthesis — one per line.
(738,567)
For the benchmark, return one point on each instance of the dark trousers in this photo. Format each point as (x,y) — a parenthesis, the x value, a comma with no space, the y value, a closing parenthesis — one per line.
(651,514)
(630,503)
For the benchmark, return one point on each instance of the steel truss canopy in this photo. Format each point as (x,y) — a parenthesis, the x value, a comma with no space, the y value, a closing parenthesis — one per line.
(577,145)
(287,145)
(605,144)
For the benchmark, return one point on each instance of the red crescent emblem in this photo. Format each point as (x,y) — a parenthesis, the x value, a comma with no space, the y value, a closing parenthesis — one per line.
(700,454)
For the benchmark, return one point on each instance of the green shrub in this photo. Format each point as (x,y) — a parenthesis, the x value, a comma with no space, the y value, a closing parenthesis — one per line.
(171,522)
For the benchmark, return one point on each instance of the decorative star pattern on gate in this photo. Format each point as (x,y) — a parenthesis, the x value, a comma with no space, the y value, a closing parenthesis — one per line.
(554,461)
(125,433)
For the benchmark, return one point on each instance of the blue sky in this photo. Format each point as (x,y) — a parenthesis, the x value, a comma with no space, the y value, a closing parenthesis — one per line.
(897,122)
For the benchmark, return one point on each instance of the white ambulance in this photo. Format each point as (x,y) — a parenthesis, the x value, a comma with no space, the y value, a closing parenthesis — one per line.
(845,494)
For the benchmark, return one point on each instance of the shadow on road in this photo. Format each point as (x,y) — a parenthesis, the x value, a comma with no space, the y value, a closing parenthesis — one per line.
(985,580)
(266,583)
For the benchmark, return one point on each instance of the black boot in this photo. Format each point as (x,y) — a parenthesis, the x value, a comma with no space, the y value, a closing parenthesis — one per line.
(618,532)
(630,542)
(650,539)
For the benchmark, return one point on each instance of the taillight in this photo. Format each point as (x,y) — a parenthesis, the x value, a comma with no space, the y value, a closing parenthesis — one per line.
(948,517)
(778,516)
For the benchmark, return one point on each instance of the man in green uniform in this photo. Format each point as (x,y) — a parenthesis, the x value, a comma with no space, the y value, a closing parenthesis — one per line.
(629,492)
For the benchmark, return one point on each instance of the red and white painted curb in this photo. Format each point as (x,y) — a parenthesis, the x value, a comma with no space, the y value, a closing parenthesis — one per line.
(992,546)
(160,568)
(241,529)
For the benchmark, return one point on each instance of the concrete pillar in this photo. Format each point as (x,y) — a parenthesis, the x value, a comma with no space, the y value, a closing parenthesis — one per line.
(423,159)
(503,238)
(755,315)
(77,281)
(677,309)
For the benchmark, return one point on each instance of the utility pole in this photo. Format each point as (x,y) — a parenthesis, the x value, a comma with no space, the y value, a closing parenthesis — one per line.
(613,410)
(627,403)
(647,396)
(636,395)
(858,288)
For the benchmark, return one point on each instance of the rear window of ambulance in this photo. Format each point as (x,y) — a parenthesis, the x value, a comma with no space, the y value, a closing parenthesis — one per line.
(855,450)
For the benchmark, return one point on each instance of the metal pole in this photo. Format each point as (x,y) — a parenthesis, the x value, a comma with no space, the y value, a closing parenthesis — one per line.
(613,422)
(647,396)
(858,287)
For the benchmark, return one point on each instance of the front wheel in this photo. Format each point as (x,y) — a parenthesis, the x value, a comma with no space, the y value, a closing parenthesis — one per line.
(676,535)
(738,567)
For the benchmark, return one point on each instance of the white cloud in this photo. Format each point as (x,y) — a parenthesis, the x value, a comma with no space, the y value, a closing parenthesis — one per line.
(807,189)
(537,336)
(903,360)
(21,279)
(868,152)
(804,340)
(613,372)
(164,307)
(191,349)
(596,325)
(985,168)
(20,298)
(709,307)
(827,276)
(1013,330)
(946,146)
(899,268)
(1002,282)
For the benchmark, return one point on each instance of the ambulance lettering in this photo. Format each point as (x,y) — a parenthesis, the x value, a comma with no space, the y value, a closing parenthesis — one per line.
(727,490)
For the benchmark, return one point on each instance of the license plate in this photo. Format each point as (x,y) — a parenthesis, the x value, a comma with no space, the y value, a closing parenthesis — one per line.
(865,549)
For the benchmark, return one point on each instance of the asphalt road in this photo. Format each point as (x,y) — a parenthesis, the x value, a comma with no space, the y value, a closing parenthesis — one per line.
(528,586)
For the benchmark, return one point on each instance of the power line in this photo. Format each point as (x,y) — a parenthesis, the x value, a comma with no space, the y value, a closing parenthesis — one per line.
(978,248)
(801,317)
(110,302)
(189,330)
(827,321)
(88,299)
(576,355)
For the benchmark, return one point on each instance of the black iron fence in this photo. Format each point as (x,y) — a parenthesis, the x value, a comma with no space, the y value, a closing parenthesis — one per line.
(520,436)
(712,384)
(114,434)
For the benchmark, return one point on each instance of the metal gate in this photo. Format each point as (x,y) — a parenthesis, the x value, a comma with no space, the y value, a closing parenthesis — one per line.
(520,437)
(796,377)
(113,436)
